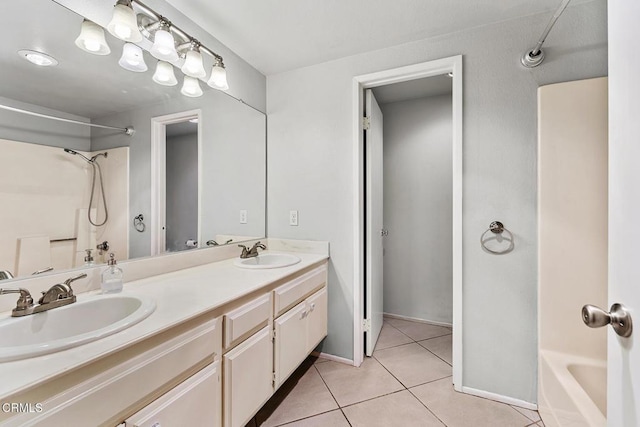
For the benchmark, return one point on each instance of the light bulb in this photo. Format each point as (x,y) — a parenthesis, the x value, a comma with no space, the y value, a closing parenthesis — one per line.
(91,39)
(164,46)
(132,58)
(164,74)
(124,24)
(191,87)
(218,78)
(193,64)
(38,58)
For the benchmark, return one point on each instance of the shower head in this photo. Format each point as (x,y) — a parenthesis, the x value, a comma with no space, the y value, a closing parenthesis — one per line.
(93,159)
(75,153)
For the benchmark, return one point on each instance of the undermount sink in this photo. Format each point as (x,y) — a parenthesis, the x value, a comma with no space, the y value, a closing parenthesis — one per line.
(72,325)
(263,261)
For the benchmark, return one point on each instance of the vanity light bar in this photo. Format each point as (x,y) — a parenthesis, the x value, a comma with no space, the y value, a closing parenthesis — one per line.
(188,41)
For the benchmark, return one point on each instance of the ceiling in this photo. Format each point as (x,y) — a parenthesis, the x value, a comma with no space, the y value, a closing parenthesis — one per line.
(279,35)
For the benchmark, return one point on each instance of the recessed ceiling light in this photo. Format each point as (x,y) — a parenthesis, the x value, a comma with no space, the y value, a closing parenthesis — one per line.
(193,120)
(38,58)
(450,74)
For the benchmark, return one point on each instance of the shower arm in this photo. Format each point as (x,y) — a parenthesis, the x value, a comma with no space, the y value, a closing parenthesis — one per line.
(535,56)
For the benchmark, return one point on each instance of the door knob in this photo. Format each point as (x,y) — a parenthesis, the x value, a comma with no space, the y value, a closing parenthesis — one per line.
(619,318)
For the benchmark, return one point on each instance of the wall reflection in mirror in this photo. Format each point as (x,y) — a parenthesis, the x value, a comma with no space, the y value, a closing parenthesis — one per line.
(191,176)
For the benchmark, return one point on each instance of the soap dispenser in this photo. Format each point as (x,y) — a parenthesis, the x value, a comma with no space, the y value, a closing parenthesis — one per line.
(88,259)
(111,277)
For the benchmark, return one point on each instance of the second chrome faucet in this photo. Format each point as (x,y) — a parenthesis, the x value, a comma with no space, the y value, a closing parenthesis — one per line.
(57,296)
(253,252)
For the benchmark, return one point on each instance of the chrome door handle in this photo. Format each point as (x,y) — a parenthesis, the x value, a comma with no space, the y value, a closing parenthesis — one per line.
(618,317)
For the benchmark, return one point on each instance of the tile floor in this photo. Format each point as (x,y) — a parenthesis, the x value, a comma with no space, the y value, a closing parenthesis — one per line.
(406,383)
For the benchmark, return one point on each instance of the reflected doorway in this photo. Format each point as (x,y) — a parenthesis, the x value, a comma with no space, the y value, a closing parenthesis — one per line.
(176,182)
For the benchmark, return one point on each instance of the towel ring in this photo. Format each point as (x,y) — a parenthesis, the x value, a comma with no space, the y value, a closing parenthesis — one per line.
(497,228)
(138,223)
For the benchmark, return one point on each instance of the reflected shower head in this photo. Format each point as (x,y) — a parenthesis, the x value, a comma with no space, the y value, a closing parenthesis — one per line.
(75,153)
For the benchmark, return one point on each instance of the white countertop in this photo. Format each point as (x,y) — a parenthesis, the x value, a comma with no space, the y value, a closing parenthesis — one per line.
(180,296)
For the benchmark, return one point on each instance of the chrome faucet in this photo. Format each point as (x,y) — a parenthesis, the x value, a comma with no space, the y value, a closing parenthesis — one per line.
(253,252)
(5,275)
(57,296)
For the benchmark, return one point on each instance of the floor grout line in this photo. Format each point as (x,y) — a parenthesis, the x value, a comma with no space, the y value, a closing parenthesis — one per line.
(425,405)
(331,393)
(434,354)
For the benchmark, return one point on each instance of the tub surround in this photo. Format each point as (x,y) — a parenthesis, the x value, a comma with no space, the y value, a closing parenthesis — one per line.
(184,287)
(572,203)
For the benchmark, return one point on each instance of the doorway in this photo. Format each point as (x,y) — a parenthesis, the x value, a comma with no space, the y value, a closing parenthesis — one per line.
(176,165)
(369,234)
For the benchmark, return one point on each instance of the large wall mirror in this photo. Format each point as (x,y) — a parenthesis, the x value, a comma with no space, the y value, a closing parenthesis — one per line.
(193,175)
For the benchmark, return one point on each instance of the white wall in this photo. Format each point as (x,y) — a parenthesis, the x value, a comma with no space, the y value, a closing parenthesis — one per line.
(311,170)
(418,262)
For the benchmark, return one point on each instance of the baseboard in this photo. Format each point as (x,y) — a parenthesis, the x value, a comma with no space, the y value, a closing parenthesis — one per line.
(332,358)
(415,319)
(499,398)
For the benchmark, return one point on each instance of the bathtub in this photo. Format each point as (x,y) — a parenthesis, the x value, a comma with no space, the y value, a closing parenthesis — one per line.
(572,390)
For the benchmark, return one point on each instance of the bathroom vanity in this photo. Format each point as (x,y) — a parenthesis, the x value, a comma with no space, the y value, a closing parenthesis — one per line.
(221,341)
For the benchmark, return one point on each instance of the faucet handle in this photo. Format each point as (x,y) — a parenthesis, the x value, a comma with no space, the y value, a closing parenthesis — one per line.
(24,302)
(73,279)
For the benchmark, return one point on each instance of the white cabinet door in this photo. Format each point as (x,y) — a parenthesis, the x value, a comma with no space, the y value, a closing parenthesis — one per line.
(195,402)
(290,342)
(248,375)
(316,319)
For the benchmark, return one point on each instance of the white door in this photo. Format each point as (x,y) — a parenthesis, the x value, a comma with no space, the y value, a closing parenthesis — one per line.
(374,227)
(623,388)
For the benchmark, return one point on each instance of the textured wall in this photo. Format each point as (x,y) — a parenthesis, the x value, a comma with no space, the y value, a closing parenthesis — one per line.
(311,169)
(418,263)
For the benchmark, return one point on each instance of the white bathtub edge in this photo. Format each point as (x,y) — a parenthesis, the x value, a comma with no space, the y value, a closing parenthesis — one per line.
(557,365)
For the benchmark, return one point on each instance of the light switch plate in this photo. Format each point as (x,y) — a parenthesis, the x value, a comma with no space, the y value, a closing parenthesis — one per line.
(243,216)
(293,217)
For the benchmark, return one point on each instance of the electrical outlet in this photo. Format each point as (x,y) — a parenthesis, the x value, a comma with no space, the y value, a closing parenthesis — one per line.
(293,217)
(243,216)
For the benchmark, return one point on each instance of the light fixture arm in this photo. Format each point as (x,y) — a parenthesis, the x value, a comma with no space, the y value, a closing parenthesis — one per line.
(172,28)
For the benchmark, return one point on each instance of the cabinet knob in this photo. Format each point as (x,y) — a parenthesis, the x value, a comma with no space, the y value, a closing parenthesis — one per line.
(303,314)
(156,425)
(313,306)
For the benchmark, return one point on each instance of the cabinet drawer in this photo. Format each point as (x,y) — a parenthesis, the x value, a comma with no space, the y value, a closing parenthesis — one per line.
(316,318)
(195,402)
(248,375)
(291,293)
(101,398)
(244,320)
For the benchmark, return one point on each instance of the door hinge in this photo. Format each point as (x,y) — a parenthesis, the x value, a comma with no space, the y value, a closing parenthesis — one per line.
(366,325)
(366,123)
(273,379)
